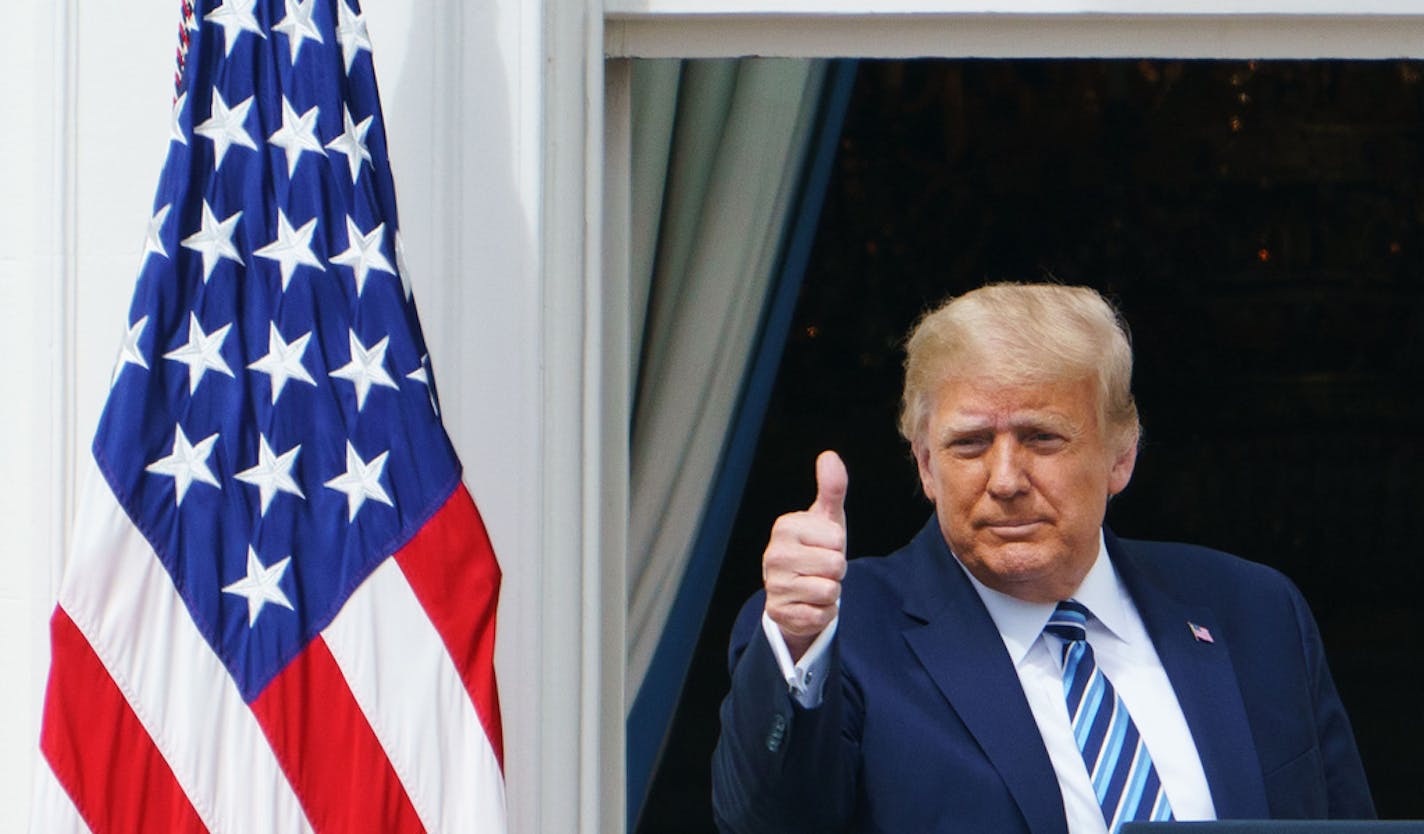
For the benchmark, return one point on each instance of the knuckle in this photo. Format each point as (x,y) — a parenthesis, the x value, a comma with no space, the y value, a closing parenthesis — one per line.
(804,622)
(825,592)
(818,614)
(788,525)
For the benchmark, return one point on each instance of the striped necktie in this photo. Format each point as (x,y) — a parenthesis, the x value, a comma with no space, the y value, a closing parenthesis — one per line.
(1118,763)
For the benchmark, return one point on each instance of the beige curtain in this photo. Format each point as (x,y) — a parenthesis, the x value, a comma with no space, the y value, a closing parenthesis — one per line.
(718,147)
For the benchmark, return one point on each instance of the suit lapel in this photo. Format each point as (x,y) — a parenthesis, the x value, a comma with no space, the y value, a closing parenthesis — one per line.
(1204,680)
(960,648)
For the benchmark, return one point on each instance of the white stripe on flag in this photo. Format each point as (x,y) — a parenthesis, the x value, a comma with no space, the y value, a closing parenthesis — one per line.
(118,593)
(51,806)
(417,705)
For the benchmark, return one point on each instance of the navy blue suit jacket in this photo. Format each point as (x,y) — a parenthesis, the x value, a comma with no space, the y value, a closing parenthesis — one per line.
(924,726)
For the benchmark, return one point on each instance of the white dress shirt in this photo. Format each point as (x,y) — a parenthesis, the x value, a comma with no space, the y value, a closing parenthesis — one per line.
(1126,656)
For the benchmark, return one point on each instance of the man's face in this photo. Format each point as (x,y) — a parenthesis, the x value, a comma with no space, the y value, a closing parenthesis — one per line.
(1020,477)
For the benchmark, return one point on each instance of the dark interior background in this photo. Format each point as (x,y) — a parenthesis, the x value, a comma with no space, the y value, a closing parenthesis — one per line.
(1259,225)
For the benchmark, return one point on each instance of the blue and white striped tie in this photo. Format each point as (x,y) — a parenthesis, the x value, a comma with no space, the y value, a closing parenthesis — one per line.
(1118,763)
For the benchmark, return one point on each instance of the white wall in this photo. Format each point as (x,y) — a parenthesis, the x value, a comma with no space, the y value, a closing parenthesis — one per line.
(31,427)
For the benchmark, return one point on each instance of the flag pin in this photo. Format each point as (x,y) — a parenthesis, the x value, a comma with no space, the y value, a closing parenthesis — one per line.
(1201,633)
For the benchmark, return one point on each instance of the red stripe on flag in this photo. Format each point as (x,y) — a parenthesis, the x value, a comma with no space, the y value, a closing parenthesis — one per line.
(451,566)
(98,749)
(332,758)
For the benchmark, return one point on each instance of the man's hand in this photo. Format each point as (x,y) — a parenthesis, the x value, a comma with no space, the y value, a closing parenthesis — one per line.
(805,560)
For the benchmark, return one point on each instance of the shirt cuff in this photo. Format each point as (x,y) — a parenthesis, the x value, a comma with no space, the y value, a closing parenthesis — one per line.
(806,678)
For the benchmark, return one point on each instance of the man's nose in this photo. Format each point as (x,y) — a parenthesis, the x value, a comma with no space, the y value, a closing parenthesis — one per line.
(1007,475)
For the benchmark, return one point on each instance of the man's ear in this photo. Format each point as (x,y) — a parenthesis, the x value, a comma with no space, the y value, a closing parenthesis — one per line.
(1123,464)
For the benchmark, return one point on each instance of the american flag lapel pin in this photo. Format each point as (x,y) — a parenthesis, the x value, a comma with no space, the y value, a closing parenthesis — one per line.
(1201,633)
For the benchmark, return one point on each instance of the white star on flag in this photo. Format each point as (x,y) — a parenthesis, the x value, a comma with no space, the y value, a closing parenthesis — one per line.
(401,266)
(153,240)
(298,25)
(224,127)
(186,463)
(366,368)
(360,481)
(363,253)
(283,360)
(422,375)
(175,129)
(214,240)
(297,134)
(352,142)
(235,14)
(261,585)
(351,31)
(273,473)
(202,353)
(129,352)
(292,248)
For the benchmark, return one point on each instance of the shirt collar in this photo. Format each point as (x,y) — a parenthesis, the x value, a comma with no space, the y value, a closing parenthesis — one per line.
(1020,623)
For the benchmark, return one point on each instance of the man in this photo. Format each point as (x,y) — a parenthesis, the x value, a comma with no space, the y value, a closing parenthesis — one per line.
(1016,667)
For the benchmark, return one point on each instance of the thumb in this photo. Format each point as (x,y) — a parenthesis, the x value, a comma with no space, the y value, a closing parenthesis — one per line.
(831,484)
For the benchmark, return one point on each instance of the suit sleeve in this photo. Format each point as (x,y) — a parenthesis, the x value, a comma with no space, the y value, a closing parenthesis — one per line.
(778,766)
(1347,790)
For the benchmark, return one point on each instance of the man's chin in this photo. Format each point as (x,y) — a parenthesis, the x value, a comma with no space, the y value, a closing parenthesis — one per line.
(1026,571)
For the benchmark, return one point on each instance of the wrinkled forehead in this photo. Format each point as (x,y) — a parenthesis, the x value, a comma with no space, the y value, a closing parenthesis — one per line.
(974,402)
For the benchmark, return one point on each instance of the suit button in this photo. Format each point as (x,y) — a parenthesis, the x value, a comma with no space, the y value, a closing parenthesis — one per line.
(777,733)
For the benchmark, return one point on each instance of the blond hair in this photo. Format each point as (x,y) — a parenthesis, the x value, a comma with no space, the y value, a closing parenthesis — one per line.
(1022,333)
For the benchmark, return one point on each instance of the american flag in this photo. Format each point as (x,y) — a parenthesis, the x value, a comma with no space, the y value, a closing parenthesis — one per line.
(278,610)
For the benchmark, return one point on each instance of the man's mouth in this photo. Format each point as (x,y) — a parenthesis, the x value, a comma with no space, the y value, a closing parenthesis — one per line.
(1014,528)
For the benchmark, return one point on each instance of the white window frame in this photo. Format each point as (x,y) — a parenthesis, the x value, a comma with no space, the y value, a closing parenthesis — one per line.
(585,234)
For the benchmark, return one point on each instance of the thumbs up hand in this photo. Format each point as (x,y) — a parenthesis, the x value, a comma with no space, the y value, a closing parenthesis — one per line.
(805,560)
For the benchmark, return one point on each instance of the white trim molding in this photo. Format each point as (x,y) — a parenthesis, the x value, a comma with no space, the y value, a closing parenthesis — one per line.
(906,29)
(585,429)
(614,9)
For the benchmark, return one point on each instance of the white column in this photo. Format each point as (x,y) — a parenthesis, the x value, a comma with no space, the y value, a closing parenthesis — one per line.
(585,437)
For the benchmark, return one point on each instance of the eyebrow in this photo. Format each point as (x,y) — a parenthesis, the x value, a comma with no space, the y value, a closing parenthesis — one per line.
(958,427)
